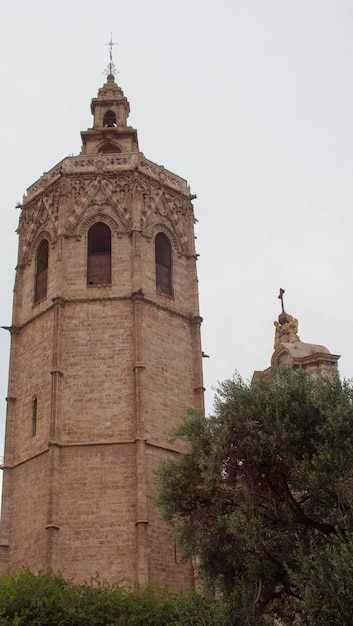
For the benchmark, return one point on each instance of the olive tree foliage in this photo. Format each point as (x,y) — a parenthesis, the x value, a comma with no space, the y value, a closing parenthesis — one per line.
(264,497)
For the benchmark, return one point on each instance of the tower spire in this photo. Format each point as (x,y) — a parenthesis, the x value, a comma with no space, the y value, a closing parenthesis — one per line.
(110,132)
(110,70)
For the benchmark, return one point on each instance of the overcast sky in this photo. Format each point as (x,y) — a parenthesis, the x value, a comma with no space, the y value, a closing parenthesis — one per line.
(251,101)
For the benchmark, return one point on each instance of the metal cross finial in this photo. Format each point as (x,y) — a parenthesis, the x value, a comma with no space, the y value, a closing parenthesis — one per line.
(280,297)
(110,69)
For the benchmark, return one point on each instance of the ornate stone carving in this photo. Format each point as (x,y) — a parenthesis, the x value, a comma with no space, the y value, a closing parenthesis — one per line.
(286,333)
(110,186)
(121,190)
(163,228)
(94,199)
(38,220)
(171,210)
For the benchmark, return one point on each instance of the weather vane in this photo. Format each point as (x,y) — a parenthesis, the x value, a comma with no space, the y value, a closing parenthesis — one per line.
(110,69)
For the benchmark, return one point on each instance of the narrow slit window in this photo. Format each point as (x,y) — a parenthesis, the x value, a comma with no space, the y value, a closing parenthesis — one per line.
(99,269)
(41,279)
(175,552)
(163,253)
(34,417)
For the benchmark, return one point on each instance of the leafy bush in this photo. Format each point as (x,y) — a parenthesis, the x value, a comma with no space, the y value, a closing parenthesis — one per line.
(50,600)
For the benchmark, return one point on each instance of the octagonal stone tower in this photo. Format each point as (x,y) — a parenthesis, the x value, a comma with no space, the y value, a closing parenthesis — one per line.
(105,356)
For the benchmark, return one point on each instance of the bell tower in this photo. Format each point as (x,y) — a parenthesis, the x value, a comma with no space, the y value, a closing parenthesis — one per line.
(105,356)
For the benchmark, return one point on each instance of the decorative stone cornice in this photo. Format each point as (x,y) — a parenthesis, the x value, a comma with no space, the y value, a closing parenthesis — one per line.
(138,295)
(107,164)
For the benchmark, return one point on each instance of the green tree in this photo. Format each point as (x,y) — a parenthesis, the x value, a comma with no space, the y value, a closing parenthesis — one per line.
(264,497)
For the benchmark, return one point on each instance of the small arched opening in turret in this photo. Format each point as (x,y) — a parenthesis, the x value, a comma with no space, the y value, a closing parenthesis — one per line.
(109,120)
(163,256)
(99,269)
(109,147)
(41,277)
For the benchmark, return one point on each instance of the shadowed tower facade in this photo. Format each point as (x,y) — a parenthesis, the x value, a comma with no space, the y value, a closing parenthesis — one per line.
(105,356)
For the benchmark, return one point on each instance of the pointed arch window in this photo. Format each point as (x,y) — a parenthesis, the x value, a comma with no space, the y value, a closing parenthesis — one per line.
(41,278)
(99,266)
(163,255)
